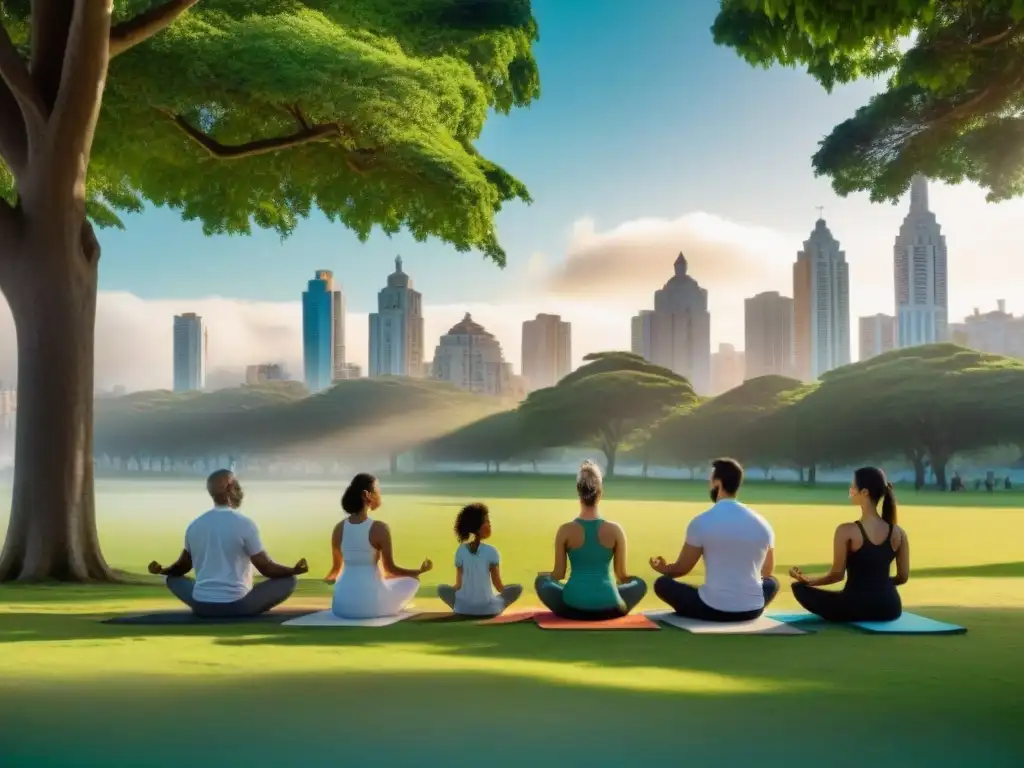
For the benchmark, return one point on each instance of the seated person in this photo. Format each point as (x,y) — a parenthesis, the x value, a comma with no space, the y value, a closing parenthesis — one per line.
(738,547)
(477,569)
(359,547)
(591,545)
(862,551)
(223,545)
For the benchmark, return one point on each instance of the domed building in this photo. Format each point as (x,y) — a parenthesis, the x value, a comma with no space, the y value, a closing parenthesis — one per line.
(471,358)
(677,333)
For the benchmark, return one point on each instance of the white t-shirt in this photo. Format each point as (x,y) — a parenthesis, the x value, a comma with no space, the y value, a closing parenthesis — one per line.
(735,540)
(221,542)
(476,597)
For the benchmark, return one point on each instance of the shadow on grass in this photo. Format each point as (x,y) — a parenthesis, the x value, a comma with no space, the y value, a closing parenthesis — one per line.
(524,693)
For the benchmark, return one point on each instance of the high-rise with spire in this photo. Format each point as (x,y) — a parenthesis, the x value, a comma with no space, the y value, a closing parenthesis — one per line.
(921,276)
(396,328)
(677,334)
(323,331)
(821,305)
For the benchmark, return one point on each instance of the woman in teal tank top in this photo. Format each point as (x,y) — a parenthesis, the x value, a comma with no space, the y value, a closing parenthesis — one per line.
(591,548)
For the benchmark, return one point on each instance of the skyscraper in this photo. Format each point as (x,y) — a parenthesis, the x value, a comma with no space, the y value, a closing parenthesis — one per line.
(189,352)
(677,334)
(547,351)
(323,332)
(727,368)
(921,277)
(877,335)
(821,305)
(396,328)
(768,337)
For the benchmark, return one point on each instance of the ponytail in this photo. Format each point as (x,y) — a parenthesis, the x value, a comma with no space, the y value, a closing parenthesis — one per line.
(353,500)
(889,505)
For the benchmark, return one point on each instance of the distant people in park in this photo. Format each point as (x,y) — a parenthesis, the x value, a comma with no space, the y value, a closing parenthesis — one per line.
(478,589)
(957,483)
(738,548)
(591,548)
(863,551)
(359,547)
(223,546)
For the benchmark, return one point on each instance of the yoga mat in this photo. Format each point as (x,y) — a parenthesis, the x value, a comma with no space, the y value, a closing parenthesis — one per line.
(513,617)
(631,621)
(166,618)
(907,624)
(328,619)
(760,626)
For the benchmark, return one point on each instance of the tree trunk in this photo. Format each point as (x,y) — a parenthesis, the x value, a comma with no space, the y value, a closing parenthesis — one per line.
(49,278)
(394,464)
(812,474)
(939,463)
(609,469)
(645,467)
(917,460)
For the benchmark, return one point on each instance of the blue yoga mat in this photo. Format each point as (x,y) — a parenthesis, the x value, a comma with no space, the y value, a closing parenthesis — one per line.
(907,624)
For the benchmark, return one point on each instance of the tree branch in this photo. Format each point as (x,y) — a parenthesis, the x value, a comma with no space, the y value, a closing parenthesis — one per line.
(257,147)
(13,138)
(77,107)
(51,20)
(14,72)
(137,30)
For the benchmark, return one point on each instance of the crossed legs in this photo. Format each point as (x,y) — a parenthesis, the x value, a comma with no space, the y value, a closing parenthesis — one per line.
(261,598)
(684,600)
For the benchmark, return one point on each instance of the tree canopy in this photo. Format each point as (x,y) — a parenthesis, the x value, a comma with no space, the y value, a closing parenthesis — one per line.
(952,105)
(611,399)
(722,425)
(364,109)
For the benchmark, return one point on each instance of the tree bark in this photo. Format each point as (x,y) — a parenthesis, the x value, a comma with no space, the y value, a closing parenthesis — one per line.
(50,282)
(609,454)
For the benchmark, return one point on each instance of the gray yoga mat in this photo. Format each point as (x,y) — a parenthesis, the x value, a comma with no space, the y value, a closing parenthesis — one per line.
(182,617)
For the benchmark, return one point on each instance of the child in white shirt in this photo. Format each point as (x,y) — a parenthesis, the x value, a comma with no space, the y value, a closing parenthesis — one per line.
(477,569)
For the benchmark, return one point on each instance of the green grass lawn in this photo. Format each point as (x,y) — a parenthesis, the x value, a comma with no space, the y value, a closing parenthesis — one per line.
(74,691)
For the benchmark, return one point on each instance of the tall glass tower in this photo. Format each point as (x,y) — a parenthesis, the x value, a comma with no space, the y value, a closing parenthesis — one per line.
(323,331)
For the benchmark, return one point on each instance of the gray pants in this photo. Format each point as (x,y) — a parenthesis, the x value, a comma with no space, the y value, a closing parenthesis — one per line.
(263,596)
(508,595)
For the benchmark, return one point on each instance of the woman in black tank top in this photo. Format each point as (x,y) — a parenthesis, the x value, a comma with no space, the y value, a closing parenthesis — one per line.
(863,552)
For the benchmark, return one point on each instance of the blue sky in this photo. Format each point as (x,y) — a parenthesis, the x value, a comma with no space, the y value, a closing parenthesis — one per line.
(647,140)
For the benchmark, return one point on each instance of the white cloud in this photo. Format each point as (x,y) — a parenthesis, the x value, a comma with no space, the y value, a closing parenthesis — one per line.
(134,336)
(620,268)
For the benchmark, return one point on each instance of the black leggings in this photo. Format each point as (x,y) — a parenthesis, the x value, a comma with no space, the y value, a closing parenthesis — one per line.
(845,607)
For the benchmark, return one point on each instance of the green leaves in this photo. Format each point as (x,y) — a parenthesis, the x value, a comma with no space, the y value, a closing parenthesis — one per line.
(955,89)
(395,91)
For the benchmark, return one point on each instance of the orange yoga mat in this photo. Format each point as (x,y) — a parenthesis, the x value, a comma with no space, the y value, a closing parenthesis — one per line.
(632,621)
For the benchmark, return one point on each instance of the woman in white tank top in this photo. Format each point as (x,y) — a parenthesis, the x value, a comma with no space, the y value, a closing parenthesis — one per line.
(360,546)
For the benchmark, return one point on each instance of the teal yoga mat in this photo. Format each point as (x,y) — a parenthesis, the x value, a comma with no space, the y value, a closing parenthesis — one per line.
(907,624)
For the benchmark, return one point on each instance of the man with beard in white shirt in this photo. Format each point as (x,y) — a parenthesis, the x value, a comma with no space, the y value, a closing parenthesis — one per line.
(738,548)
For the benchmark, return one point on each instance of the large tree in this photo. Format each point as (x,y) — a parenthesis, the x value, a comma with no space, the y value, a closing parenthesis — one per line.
(722,425)
(608,402)
(953,105)
(927,403)
(238,114)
